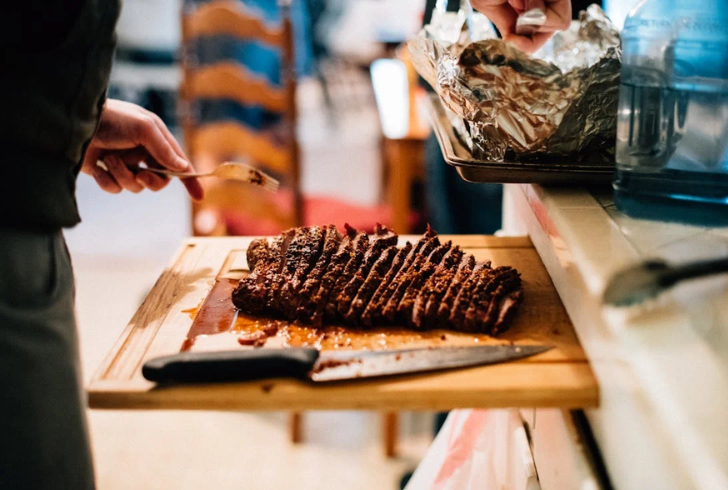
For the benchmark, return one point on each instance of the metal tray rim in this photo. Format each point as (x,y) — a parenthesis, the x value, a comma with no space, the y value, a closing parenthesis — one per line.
(447,140)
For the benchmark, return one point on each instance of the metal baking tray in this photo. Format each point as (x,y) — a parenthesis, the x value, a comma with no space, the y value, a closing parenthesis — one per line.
(480,171)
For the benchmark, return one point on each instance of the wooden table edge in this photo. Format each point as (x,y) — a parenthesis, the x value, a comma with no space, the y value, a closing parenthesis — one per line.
(414,392)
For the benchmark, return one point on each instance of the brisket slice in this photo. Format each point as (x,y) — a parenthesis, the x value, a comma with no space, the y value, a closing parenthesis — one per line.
(257,250)
(462,300)
(313,313)
(425,314)
(480,301)
(444,308)
(435,288)
(289,265)
(259,253)
(360,247)
(332,242)
(419,279)
(374,305)
(507,308)
(398,287)
(509,284)
(310,252)
(251,294)
(370,284)
(374,313)
(452,258)
(382,240)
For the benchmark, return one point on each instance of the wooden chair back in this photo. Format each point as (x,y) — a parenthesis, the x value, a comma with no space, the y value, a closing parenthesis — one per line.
(211,143)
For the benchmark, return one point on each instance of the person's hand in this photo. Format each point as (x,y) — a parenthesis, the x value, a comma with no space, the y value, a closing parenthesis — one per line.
(127,136)
(504,13)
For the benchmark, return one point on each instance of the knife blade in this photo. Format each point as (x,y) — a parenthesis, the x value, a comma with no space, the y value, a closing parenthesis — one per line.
(309,363)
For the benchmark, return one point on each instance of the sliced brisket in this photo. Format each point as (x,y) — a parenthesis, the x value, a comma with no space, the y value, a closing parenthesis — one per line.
(462,300)
(288,269)
(405,276)
(251,294)
(506,310)
(374,307)
(314,274)
(365,291)
(336,267)
(419,280)
(382,240)
(257,250)
(435,288)
(309,255)
(508,284)
(360,247)
(390,284)
(480,301)
(448,300)
(332,241)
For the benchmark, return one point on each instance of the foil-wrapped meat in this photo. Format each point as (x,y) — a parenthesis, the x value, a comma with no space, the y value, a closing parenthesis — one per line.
(558,104)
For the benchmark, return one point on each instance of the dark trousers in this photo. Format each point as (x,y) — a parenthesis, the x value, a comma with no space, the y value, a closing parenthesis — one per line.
(44,440)
(454,205)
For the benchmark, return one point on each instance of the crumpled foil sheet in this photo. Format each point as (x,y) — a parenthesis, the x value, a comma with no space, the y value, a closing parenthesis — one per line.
(560,102)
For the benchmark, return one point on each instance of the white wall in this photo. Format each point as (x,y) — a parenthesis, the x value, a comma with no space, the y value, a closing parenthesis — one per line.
(149,24)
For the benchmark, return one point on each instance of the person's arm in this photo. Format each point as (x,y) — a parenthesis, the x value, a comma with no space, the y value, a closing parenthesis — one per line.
(504,13)
(127,136)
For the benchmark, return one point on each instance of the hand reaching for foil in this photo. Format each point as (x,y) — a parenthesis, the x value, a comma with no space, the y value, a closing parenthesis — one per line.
(505,13)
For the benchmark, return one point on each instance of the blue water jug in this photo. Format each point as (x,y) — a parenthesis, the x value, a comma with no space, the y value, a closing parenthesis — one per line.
(672,131)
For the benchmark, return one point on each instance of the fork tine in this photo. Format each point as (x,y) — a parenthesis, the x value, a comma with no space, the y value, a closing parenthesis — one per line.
(272,185)
(267,182)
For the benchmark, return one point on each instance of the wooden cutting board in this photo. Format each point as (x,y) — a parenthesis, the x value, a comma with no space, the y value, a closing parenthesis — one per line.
(197,287)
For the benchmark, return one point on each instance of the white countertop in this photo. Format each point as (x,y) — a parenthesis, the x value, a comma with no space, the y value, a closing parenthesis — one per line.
(663,366)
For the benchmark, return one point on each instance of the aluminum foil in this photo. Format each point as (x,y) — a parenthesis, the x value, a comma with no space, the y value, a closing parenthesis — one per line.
(556,104)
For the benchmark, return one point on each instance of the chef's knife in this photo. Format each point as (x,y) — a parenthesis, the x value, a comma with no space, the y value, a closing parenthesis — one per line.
(309,363)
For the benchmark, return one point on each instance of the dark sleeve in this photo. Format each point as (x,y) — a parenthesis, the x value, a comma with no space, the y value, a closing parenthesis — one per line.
(36,25)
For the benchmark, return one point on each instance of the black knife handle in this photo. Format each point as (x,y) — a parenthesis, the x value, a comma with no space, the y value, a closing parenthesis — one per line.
(235,365)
